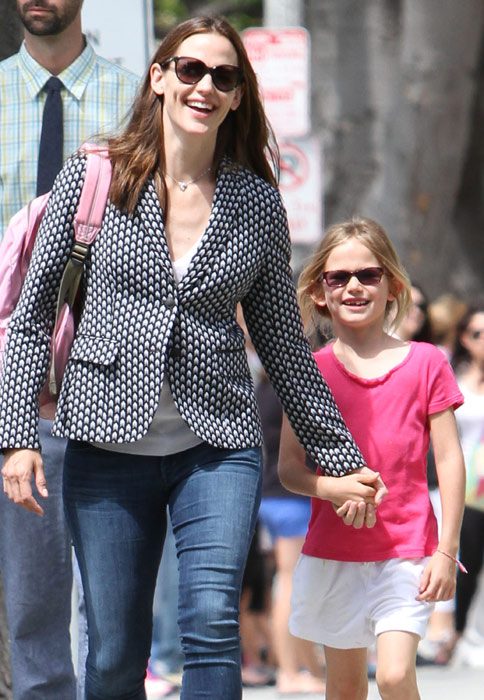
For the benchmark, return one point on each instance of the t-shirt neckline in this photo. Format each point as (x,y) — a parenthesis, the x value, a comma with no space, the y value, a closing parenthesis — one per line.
(374,381)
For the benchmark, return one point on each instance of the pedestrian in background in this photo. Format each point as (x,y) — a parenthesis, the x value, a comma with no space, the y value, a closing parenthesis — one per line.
(157,399)
(285,516)
(468,363)
(351,585)
(54,94)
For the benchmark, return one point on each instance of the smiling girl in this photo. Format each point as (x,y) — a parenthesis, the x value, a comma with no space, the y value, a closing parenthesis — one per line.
(352,585)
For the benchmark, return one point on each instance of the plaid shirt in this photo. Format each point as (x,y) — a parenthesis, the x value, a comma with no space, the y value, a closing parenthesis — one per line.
(96,97)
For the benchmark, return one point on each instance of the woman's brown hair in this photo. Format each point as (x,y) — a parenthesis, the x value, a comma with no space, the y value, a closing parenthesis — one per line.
(374,237)
(245,135)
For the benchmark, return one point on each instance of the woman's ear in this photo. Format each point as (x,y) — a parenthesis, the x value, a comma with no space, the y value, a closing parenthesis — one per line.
(157,79)
(239,91)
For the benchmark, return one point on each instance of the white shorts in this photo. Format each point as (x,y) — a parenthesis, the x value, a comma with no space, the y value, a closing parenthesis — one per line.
(346,605)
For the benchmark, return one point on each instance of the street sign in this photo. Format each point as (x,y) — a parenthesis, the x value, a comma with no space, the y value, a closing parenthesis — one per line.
(301,188)
(280,58)
(121,31)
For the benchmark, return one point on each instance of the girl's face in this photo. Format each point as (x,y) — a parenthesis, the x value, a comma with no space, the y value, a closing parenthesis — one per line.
(355,304)
(199,108)
(473,337)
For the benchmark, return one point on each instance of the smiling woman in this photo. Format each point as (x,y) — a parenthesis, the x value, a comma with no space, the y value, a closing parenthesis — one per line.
(157,400)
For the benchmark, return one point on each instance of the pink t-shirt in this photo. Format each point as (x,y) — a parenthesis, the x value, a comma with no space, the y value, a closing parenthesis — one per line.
(388,418)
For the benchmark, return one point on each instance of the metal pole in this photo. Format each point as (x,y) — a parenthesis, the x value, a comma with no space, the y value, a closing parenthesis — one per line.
(283,13)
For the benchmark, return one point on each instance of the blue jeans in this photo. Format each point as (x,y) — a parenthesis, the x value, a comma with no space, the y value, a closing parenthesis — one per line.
(116,509)
(166,651)
(35,565)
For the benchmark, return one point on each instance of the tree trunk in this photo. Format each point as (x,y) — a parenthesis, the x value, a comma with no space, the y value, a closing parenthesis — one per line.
(10,28)
(10,38)
(397,101)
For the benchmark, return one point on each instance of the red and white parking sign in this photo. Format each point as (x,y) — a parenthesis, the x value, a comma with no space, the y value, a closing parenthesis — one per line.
(280,58)
(301,188)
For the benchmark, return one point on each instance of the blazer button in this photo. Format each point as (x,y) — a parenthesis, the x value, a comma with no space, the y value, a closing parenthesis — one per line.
(169,302)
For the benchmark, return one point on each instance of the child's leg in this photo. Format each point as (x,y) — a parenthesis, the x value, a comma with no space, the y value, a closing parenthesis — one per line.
(396,672)
(346,676)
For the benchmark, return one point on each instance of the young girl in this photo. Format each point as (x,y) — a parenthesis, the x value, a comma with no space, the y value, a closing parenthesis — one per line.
(352,585)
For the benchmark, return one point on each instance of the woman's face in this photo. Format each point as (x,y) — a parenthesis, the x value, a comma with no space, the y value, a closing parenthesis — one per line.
(201,108)
(473,337)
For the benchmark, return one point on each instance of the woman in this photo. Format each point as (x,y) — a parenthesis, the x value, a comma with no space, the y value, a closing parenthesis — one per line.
(194,226)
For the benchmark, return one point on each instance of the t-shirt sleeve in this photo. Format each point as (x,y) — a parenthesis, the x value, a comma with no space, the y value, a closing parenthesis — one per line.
(443,389)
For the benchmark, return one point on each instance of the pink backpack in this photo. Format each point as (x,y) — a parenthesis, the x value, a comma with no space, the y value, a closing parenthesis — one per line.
(15,254)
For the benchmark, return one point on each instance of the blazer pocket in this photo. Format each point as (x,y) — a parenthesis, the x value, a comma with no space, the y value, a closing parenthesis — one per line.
(97,351)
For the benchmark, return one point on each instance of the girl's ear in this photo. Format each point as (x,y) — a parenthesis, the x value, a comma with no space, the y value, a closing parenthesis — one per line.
(157,79)
(318,298)
(395,287)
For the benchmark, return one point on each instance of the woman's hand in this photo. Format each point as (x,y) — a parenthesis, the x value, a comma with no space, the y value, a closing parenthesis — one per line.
(362,492)
(19,465)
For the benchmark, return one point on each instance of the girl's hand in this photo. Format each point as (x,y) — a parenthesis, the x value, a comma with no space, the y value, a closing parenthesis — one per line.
(438,579)
(18,467)
(357,514)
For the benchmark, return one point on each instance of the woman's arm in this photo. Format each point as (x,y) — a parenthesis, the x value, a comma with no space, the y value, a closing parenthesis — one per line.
(274,323)
(26,358)
(438,579)
(356,494)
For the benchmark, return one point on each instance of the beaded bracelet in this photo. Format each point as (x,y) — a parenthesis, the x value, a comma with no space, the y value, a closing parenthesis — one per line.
(459,563)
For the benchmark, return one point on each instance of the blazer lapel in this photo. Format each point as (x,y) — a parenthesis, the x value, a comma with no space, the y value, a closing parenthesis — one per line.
(219,225)
(151,215)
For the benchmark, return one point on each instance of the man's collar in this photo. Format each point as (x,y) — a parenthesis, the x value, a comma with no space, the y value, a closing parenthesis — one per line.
(75,77)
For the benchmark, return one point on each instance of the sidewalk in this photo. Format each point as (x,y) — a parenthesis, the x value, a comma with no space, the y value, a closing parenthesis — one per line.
(435,683)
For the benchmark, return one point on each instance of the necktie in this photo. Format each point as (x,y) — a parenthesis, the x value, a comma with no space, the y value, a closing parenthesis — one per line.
(51,137)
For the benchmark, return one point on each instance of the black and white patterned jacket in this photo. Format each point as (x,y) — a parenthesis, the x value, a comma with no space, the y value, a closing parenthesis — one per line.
(137,325)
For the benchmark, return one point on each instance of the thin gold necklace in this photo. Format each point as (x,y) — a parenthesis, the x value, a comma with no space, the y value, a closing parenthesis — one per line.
(183,184)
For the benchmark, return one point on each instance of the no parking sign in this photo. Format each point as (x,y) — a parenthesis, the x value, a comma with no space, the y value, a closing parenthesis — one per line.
(301,188)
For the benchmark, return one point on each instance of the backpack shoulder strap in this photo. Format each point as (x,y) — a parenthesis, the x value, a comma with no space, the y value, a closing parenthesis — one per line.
(94,196)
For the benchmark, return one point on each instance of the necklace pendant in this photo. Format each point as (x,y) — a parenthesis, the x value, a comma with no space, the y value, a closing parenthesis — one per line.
(183,185)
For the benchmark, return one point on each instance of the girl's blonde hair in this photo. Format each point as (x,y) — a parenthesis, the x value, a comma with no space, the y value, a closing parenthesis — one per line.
(374,237)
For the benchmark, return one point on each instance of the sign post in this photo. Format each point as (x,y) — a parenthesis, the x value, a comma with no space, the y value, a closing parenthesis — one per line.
(121,31)
(280,58)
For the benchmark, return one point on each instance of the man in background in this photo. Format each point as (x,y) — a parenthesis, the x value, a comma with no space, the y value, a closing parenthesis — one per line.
(54,87)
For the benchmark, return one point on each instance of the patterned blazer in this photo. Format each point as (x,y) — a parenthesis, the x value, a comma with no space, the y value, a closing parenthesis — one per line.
(139,326)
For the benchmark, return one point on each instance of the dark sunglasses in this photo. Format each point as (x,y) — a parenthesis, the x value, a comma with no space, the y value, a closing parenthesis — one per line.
(478,333)
(368,276)
(191,70)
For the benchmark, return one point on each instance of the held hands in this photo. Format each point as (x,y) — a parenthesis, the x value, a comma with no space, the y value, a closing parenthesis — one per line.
(438,579)
(356,497)
(18,467)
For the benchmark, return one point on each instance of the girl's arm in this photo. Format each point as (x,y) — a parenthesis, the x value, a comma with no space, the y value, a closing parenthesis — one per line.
(359,489)
(439,577)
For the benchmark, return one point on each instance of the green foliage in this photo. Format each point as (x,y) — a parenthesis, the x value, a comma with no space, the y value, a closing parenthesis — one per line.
(241,13)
